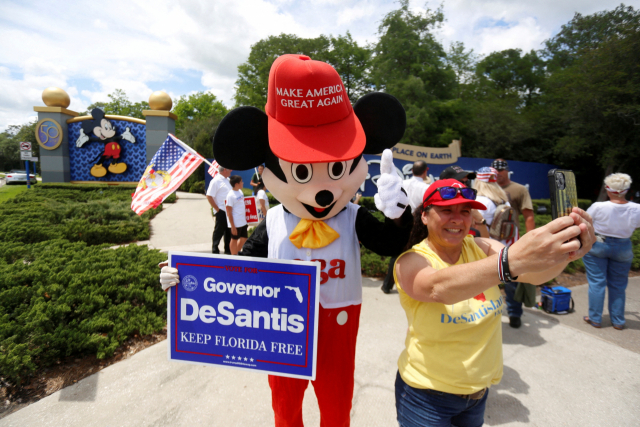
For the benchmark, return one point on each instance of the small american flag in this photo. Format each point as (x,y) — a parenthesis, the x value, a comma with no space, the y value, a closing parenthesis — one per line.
(213,169)
(169,168)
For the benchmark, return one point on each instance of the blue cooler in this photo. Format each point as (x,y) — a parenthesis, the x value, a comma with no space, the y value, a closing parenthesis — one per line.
(556,299)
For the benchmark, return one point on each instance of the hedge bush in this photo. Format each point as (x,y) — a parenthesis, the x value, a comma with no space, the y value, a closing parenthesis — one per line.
(372,264)
(62,291)
(197,187)
(94,216)
(61,298)
(193,178)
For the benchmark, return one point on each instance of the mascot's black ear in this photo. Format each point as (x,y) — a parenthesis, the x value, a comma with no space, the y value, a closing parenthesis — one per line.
(88,125)
(241,141)
(97,114)
(383,120)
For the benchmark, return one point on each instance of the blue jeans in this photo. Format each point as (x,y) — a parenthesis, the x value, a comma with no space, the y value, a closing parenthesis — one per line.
(608,266)
(514,308)
(418,408)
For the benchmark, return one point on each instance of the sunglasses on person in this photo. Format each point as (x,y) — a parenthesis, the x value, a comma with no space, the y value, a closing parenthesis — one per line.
(448,193)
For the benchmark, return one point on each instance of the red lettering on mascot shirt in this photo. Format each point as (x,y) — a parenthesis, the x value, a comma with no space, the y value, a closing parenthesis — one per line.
(335,272)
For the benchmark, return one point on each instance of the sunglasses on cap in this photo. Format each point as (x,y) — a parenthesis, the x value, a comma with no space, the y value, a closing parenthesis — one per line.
(449,193)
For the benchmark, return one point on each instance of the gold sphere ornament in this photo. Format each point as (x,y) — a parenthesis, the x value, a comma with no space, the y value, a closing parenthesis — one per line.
(159,100)
(55,97)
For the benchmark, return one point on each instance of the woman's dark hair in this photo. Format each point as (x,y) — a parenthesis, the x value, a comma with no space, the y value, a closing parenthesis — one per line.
(234,179)
(419,231)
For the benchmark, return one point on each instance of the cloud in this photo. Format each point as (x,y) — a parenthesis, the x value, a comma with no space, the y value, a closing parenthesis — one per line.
(355,13)
(490,25)
(526,34)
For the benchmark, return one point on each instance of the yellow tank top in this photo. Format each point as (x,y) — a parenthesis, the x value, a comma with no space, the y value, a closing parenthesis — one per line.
(452,348)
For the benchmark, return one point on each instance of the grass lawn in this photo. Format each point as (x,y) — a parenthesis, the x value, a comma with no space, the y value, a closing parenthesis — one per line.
(9,191)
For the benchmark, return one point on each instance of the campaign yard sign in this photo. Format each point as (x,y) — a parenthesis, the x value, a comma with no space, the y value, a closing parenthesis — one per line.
(246,313)
(251,210)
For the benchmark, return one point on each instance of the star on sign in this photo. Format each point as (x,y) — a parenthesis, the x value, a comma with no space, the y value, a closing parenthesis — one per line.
(240,358)
(227,356)
(245,359)
(251,359)
(233,357)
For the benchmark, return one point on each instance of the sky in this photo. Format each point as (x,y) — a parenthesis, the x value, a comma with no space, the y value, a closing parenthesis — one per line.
(91,48)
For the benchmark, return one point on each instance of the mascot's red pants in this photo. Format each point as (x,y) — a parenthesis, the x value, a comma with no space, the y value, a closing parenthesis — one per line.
(112,149)
(334,373)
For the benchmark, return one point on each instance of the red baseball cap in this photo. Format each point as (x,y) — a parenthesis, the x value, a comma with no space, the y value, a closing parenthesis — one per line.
(310,116)
(436,198)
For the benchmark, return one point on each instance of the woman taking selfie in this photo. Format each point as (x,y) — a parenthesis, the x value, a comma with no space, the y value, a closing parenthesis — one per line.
(448,285)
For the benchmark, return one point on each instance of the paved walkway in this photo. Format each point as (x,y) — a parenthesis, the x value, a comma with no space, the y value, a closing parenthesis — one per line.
(558,371)
(186,225)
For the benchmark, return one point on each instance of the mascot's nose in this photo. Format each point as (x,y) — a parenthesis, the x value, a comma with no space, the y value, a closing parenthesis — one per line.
(324,198)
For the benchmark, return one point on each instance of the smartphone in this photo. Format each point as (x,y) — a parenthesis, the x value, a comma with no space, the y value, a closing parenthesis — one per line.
(563,192)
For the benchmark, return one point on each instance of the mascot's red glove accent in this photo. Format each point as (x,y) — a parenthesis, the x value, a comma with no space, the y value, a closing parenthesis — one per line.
(311,141)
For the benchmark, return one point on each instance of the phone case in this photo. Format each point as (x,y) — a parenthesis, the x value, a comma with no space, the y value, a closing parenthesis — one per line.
(562,199)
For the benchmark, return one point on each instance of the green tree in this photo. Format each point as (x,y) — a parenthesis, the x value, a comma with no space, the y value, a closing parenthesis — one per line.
(349,59)
(596,99)
(119,105)
(253,75)
(463,63)
(410,64)
(585,33)
(504,118)
(510,72)
(353,63)
(195,107)
(198,118)
(10,146)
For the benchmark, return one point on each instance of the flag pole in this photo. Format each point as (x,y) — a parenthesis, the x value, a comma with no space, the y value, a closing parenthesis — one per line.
(189,149)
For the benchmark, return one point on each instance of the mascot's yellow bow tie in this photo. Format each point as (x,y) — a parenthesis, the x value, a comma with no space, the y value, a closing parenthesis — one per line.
(312,234)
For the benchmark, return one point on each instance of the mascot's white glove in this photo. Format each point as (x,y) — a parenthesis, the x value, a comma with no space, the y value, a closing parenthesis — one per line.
(168,277)
(128,135)
(391,199)
(81,139)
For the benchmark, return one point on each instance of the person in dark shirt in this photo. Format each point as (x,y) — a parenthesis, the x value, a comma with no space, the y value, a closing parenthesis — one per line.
(257,179)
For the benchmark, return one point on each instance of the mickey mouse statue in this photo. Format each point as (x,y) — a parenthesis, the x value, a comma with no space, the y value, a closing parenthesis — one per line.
(311,141)
(102,130)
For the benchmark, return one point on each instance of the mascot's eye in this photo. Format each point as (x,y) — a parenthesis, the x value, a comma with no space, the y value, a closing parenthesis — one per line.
(302,173)
(336,169)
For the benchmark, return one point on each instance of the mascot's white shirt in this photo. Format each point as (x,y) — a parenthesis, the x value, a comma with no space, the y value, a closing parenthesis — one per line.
(341,276)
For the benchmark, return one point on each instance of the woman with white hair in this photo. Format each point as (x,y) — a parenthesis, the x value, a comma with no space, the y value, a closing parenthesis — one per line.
(609,261)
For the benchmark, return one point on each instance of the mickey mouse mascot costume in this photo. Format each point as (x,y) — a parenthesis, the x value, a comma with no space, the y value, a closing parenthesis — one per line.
(311,141)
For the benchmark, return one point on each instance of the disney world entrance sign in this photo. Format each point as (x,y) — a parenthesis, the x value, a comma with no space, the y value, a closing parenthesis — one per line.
(439,155)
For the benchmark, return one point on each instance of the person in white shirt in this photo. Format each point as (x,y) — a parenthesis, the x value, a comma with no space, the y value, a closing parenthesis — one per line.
(263,199)
(415,188)
(609,261)
(217,192)
(416,185)
(236,215)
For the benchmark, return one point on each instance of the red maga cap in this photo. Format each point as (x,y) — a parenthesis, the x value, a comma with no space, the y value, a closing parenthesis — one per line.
(436,198)
(310,117)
